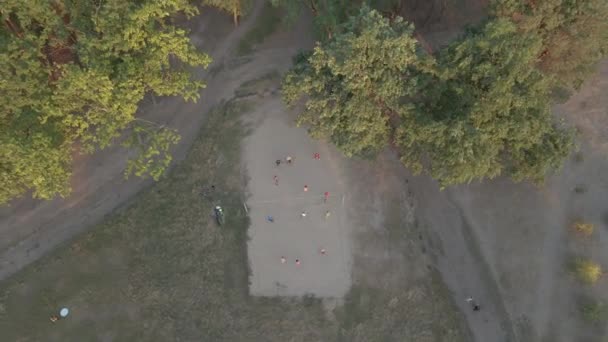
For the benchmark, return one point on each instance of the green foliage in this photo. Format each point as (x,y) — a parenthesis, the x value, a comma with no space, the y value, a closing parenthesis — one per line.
(574,34)
(73,73)
(153,143)
(328,14)
(354,83)
(488,112)
(479,110)
(235,7)
(593,311)
(586,270)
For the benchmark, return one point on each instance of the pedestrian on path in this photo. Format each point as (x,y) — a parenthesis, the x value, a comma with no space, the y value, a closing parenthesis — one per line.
(316,156)
(322,251)
(327,214)
(283,260)
(303,214)
(278,162)
(297,262)
(305,188)
(473,303)
(288,160)
(270,219)
(276,180)
(326,196)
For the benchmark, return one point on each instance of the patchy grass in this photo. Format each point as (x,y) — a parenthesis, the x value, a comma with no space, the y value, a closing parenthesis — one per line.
(161,270)
(586,270)
(268,21)
(421,313)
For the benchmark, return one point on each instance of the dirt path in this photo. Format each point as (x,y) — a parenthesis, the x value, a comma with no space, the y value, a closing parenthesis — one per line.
(519,233)
(31,228)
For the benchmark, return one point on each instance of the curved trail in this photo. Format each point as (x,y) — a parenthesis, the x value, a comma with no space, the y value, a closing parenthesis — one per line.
(31,228)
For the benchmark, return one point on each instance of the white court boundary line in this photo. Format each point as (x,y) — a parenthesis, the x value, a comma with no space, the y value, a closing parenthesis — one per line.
(295,198)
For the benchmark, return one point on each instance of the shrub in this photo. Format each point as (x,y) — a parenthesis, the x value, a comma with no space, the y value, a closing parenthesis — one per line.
(587,271)
(593,311)
(583,229)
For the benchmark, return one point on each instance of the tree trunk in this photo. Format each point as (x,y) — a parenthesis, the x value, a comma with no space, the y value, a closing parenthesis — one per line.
(313,7)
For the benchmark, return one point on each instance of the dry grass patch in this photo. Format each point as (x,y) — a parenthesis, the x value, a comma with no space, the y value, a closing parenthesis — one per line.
(586,270)
(582,229)
(161,269)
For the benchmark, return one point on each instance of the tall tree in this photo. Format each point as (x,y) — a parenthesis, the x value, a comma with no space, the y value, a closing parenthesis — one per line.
(574,34)
(234,7)
(354,84)
(488,113)
(328,14)
(479,110)
(72,74)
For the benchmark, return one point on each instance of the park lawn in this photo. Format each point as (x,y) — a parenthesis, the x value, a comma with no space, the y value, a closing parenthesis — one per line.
(161,269)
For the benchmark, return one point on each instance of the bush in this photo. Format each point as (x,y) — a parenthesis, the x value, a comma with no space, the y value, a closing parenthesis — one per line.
(583,229)
(586,270)
(593,311)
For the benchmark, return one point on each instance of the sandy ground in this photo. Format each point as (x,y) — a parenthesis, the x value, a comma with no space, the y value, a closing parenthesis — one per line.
(518,234)
(30,228)
(290,235)
(507,244)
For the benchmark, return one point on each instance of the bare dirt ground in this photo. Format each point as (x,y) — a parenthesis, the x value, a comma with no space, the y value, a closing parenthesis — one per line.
(523,230)
(30,228)
(323,274)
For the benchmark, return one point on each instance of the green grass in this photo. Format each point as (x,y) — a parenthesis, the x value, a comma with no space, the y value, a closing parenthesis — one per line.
(161,270)
(268,21)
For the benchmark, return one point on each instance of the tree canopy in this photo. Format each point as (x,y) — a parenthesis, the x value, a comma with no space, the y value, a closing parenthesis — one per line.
(234,7)
(355,82)
(72,74)
(479,109)
(487,114)
(328,14)
(574,34)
